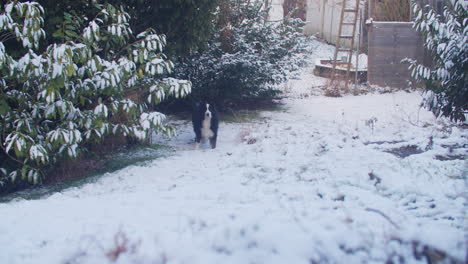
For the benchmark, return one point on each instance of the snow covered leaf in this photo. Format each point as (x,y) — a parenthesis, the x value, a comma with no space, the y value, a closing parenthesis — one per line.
(153,119)
(39,154)
(445,79)
(101,110)
(20,142)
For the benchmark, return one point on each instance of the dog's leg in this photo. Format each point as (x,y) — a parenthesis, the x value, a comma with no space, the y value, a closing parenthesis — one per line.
(213,142)
(197,142)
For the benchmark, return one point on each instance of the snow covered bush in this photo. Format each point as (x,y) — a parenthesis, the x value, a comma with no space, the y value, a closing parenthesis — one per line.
(56,99)
(446,37)
(245,57)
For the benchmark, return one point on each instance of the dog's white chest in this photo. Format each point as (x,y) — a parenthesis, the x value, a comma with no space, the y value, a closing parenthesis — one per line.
(206,130)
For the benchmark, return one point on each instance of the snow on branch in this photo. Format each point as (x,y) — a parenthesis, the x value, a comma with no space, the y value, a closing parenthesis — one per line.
(79,90)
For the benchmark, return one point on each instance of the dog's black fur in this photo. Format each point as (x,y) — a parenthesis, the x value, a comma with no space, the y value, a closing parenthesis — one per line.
(205,123)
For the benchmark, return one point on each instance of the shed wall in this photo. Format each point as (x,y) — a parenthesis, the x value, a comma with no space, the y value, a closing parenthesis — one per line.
(389,43)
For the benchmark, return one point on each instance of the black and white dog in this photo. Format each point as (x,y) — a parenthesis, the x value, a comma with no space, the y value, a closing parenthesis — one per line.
(205,123)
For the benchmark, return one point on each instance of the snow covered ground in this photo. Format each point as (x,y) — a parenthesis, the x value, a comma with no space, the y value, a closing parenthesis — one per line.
(355,179)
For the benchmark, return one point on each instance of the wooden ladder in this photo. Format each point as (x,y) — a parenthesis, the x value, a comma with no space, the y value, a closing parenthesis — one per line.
(339,49)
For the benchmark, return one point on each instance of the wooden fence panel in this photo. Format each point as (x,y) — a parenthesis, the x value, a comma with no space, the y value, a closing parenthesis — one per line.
(389,43)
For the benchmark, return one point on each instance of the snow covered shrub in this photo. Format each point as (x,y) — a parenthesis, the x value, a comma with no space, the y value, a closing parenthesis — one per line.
(75,92)
(245,57)
(446,37)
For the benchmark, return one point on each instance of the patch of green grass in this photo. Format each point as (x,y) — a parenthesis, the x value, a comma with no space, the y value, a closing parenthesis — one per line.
(238,114)
(137,155)
(249,115)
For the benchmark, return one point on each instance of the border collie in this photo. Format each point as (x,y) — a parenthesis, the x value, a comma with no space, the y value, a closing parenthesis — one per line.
(205,123)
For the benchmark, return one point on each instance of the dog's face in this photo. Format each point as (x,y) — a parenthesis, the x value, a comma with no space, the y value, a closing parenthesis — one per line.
(208,111)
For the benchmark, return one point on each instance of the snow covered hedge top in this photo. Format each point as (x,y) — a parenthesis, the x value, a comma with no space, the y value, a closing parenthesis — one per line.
(77,91)
(246,58)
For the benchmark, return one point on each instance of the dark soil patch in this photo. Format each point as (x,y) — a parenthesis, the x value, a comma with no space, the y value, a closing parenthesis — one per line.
(454,146)
(405,151)
(450,157)
(382,142)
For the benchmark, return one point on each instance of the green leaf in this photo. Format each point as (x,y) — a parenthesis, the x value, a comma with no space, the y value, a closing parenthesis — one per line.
(67,15)
(36,179)
(71,34)
(18,152)
(24,172)
(70,27)
(70,70)
(58,33)
(4,107)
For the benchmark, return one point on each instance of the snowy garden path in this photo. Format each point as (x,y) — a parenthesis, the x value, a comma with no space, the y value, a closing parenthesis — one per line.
(321,180)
